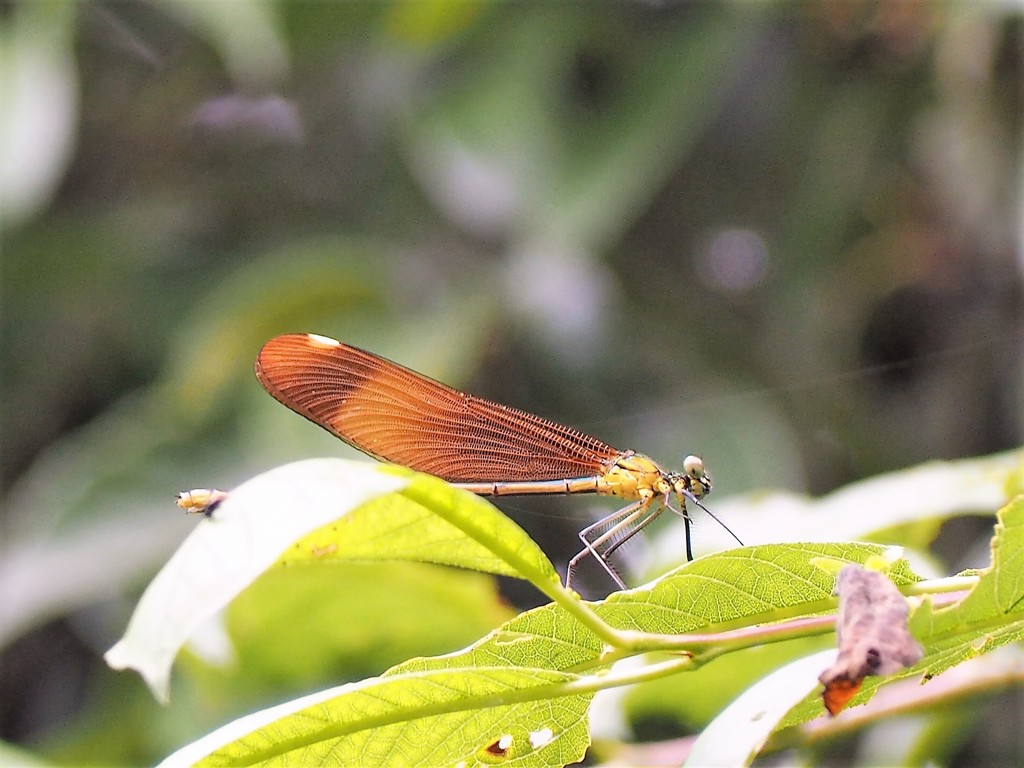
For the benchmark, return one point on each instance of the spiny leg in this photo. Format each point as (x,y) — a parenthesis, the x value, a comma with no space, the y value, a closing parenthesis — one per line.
(624,519)
(652,514)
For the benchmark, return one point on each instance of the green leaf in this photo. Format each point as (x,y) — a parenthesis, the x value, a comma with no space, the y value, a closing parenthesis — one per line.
(436,717)
(228,550)
(747,586)
(704,594)
(310,511)
(992,615)
(429,521)
(744,585)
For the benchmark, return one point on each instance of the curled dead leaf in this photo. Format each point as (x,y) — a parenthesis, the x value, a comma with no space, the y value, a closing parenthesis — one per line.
(872,633)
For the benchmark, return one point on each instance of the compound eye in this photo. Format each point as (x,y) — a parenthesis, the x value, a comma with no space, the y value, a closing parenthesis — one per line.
(694,467)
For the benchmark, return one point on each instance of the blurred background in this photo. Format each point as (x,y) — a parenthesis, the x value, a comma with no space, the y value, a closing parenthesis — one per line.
(784,236)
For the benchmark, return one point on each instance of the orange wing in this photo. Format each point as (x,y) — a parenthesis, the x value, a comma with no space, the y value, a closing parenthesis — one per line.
(397,415)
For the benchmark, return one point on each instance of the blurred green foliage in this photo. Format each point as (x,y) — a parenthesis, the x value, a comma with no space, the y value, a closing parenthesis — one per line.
(782,235)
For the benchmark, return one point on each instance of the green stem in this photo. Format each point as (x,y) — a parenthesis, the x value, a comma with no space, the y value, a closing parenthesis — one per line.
(704,647)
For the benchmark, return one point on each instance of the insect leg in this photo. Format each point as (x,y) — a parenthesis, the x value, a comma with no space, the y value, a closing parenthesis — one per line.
(610,527)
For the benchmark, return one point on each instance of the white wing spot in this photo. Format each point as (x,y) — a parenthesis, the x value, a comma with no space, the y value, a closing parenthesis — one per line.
(323,341)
